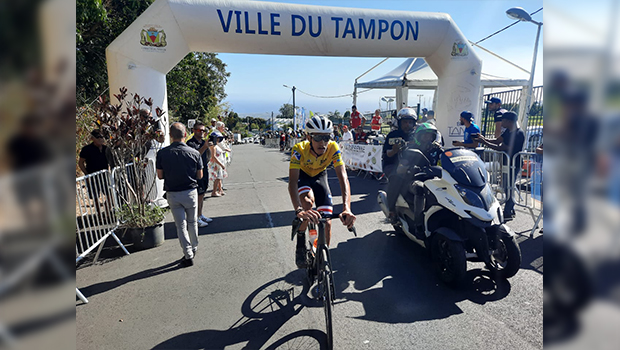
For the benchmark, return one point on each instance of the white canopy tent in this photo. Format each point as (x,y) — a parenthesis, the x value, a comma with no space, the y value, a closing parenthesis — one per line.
(415,73)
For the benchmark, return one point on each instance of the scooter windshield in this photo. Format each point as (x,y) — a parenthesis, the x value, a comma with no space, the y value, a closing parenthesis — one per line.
(465,167)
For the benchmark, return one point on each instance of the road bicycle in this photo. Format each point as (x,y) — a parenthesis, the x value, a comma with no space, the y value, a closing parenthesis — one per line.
(318,268)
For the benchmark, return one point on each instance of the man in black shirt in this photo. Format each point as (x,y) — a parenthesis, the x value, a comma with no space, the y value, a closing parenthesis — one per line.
(392,146)
(495,107)
(511,141)
(93,158)
(180,166)
(199,143)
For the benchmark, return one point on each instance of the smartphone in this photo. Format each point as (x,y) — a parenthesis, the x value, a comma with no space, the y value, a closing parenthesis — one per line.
(395,141)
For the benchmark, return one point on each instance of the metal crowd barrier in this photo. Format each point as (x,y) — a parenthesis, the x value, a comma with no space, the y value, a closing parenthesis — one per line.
(498,164)
(98,196)
(32,204)
(527,167)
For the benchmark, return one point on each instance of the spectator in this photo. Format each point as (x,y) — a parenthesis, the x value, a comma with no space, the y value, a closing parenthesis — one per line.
(511,141)
(180,166)
(430,117)
(360,136)
(337,134)
(495,106)
(471,129)
(357,118)
(94,157)
(423,116)
(199,143)
(375,123)
(282,141)
(217,165)
(346,134)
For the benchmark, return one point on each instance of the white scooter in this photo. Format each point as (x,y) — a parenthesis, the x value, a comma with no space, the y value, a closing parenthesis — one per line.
(461,219)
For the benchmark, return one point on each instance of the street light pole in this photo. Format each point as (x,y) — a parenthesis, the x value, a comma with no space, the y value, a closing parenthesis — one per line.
(294,114)
(520,14)
(528,100)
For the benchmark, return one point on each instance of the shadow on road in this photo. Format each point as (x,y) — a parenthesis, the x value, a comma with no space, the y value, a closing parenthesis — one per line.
(103,287)
(394,280)
(264,311)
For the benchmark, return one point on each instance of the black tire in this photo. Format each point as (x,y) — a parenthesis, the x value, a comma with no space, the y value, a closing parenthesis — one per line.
(505,260)
(399,230)
(326,295)
(449,260)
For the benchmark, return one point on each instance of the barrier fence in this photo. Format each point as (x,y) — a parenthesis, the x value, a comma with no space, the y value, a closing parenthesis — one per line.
(33,206)
(528,184)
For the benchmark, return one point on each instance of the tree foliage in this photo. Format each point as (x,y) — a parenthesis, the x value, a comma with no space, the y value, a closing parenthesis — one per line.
(195,85)
(286,111)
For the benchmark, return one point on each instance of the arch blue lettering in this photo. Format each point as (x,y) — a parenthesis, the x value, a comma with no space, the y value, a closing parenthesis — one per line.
(349,29)
(337,20)
(247,24)
(318,32)
(225,27)
(383,27)
(294,19)
(414,32)
(260,25)
(402,30)
(274,23)
(367,31)
(238,15)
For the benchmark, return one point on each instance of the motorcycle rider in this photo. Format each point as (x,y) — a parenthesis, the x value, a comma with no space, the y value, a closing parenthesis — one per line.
(406,120)
(427,139)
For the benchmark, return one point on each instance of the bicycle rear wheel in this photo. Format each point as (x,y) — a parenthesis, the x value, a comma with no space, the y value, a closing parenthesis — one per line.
(327,296)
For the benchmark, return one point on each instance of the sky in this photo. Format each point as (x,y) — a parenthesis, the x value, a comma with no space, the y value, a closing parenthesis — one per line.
(255,86)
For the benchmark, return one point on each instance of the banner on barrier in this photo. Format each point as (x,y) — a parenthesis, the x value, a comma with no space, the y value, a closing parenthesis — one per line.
(362,157)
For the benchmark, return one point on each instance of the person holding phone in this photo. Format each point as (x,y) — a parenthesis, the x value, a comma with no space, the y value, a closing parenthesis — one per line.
(471,130)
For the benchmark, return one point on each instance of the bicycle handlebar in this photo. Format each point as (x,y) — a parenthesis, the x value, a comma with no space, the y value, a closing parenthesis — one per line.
(297,222)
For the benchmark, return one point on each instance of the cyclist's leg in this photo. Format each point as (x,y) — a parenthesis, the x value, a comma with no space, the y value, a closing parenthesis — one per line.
(306,197)
(323,200)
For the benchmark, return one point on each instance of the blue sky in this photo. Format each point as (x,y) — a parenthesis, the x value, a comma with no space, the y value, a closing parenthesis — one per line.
(255,85)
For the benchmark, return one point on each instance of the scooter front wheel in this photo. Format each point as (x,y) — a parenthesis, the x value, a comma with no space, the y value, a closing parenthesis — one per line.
(449,260)
(505,259)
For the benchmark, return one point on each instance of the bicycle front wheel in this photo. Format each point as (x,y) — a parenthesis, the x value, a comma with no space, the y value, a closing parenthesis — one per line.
(327,296)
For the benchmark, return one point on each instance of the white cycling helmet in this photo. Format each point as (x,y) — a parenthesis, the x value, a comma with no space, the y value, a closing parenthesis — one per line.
(319,125)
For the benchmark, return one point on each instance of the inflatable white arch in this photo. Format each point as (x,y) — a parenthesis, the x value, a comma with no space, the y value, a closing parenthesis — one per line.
(152,45)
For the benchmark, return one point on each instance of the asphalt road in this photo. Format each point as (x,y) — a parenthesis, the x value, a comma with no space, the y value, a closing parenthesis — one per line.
(244,291)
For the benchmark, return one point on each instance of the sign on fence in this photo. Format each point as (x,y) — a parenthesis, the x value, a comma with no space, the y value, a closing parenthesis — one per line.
(362,157)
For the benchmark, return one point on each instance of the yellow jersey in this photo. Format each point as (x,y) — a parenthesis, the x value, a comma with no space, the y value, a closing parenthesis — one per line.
(301,158)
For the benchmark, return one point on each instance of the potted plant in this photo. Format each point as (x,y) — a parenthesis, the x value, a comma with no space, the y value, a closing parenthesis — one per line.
(130,130)
(146,229)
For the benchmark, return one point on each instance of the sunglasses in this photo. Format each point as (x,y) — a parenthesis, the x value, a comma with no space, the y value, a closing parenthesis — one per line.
(319,138)
(201,130)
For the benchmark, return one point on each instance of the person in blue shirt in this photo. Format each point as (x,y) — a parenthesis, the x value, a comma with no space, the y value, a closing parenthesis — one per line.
(467,119)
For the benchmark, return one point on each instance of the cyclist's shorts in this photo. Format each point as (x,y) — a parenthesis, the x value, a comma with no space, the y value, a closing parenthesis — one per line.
(320,188)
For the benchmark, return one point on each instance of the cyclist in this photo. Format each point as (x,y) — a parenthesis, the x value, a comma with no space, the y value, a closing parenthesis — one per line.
(308,185)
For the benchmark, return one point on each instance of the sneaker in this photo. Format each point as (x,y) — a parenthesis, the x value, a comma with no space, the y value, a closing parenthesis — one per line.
(300,257)
(205,219)
(509,217)
(202,223)
(187,262)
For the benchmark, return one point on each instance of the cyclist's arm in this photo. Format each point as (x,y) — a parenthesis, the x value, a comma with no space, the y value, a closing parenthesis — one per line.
(309,214)
(347,216)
